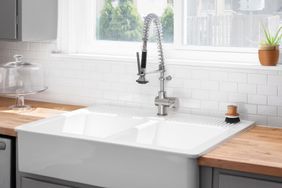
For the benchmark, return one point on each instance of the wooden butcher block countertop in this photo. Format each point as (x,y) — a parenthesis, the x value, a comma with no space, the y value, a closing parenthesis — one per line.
(258,150)
(10,119)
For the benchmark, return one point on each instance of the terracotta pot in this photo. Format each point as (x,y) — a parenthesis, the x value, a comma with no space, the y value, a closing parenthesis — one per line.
(269,55)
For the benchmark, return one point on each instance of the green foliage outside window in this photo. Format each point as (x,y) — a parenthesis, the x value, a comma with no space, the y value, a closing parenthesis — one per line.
(105,20)
(123,22)
(167,23)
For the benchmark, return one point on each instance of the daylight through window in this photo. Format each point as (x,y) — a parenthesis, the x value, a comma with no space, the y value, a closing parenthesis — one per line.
(101,26)
(122,20)
(230,23)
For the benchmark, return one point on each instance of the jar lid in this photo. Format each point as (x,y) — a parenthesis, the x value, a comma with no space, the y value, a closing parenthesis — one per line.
(21,78)
(18,63)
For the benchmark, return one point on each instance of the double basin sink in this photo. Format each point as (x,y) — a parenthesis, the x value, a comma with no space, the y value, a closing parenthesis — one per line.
(121,147)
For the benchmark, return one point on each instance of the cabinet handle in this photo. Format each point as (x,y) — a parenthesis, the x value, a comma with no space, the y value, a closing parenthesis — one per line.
(2,146)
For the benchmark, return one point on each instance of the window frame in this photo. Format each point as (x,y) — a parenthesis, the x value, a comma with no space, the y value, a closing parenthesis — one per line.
(176,50)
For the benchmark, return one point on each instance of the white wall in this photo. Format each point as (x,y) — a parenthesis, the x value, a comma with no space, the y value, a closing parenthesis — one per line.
(200,90)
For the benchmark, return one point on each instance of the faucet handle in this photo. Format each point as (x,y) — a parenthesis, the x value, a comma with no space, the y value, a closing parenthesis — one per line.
(168,78)
(138,63)
(174,102)
(171,102)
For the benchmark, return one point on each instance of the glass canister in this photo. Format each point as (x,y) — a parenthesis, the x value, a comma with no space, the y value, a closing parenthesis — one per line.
(19,79)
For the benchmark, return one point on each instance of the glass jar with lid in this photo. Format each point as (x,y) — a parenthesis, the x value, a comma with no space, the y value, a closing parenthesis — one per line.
(20,78)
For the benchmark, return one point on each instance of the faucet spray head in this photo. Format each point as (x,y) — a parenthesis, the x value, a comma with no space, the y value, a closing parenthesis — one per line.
(141,71)
(142,79)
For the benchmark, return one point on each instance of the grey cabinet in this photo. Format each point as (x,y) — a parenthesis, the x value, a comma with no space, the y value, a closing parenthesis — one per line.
(8,19)
(5,162)
(231,181)
(220,178)
(28,20)
(31,183)
(26,180)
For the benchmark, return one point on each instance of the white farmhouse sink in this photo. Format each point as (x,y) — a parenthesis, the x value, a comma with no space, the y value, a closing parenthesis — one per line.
(121,147)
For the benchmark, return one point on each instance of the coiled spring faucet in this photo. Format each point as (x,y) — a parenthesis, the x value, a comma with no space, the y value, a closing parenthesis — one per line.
(161,101)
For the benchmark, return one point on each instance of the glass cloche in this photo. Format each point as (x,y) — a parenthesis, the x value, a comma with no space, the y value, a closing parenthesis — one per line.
(19,79)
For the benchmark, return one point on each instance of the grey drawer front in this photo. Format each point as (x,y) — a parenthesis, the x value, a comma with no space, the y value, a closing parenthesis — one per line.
(8,19)
(229,181)
(5,163)
(31,183)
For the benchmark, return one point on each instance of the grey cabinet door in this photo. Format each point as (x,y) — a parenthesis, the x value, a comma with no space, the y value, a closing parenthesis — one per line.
(8,19)
(229,181)
(5,163)
(31,183)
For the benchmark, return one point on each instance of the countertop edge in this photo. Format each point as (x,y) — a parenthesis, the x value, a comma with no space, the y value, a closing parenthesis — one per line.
(240,166)
(8,132)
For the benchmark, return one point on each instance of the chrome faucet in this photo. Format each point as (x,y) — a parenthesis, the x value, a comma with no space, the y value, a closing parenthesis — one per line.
(161,101)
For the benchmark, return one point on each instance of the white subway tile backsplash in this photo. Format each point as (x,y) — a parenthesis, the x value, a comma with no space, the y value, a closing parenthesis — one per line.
(209,105)
(275,121)
(247,88)
(17,45)
(218,75)
(200,94)
(275,79)
(259,119)
(192,84)
(179,91)
(218,96)
(275,100)
(238,77)
(229,86)
(257,79)
(95,93)
(179,72)
(201,90)
(35,46)
(267,110)
(280,111)
(267,90)
(247,108)
(238,98)
(175,82)
(117,69)
(280,91)
(210,85)
(257,99)
(200,74)
(190,103)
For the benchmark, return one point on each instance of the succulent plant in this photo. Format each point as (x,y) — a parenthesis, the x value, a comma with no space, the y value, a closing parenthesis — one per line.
(270,39)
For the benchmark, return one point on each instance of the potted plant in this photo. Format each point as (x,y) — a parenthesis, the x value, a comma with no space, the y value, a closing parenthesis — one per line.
(269,48)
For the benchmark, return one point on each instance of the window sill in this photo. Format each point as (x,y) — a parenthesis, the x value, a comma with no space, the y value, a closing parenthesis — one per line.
(178,62)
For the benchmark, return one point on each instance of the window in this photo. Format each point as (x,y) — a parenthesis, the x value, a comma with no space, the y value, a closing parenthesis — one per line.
(230,23)
(123,20)
(115,26)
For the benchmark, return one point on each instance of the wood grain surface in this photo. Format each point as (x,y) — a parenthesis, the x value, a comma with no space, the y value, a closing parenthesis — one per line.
(10,119)
(258,150)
